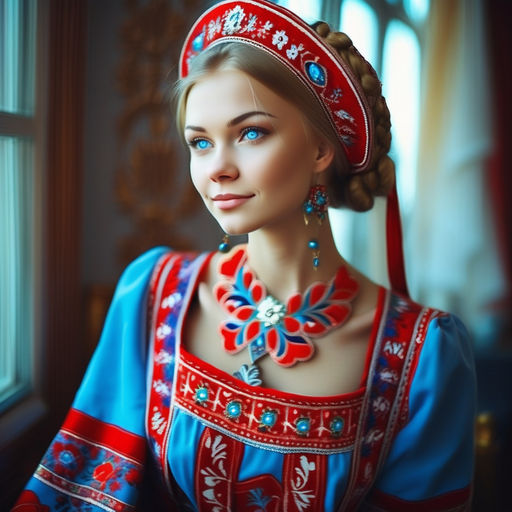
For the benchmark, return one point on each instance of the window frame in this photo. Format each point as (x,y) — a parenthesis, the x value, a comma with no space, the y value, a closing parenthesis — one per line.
(23,411)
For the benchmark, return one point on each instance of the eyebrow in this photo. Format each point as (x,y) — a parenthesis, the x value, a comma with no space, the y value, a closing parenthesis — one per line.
(237,120)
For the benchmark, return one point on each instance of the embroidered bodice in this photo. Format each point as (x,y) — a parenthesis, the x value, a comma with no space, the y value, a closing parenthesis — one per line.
(403,441)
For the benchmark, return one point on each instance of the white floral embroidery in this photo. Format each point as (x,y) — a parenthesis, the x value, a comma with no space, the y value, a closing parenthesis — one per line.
(171,300)
(381,405)
(161,388)
(214,27)
(164,357)
(389,376)
(374,436)
(214,475)
(158,422)
(335,95)
(233,20)
(348,130)
(342,114)
(264,30)
(294,50)
(251,23)
(302,496)
(395,348)
(279,39)
(163,331)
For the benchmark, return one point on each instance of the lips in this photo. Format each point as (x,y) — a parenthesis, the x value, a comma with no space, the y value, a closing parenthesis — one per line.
(230,201)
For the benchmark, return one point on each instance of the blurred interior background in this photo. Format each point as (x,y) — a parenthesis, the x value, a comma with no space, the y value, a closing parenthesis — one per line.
(92,173)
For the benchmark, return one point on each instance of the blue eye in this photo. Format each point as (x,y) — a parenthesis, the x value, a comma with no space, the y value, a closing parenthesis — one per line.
(200,144)
(252,133)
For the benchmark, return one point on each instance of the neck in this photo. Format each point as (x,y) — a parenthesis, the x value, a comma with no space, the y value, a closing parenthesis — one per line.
(281,258)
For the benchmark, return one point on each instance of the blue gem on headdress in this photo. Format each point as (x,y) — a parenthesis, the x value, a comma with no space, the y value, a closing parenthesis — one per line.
(198,42)
(315,73)
(337,425)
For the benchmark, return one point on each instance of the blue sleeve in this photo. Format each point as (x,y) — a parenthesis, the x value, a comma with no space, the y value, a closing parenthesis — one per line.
(97,458)
(114,386)
(430,462)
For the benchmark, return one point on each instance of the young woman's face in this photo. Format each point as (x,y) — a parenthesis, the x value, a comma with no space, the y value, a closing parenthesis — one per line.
(252,154)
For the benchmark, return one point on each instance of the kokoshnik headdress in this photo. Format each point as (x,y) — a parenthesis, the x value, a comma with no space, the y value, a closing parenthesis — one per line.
(286,37)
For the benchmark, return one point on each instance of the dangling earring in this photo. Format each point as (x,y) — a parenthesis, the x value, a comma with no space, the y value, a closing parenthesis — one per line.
(316,204)
(224,245)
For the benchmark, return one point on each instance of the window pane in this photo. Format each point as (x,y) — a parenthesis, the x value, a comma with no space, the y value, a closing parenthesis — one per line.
(308,10)
(359,22)
(16,235)
(417,10)
(401,84)
(17,56)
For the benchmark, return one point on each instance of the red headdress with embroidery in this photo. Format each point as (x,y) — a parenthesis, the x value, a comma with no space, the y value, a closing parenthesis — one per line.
(285,36)
(291,41)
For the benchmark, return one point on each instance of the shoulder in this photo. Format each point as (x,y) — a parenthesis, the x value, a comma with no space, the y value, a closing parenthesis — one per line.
(435,348)
(440,360)
(150,264)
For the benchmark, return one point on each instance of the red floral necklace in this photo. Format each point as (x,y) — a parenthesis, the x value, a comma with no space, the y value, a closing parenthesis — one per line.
(266,325)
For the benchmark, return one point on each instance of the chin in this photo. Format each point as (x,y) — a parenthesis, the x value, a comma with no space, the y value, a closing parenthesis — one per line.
(236,227)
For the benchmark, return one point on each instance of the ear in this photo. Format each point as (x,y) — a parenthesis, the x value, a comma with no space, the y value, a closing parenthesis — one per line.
(324,155)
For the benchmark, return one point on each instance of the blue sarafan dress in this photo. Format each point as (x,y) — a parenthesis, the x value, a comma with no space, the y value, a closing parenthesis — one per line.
(151,417)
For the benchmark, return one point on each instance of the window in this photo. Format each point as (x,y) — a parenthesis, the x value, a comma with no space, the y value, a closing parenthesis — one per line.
(18,145)
(389,35)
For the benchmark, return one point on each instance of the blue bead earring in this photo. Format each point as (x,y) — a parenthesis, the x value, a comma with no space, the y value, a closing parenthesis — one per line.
(316,204)
(224,245)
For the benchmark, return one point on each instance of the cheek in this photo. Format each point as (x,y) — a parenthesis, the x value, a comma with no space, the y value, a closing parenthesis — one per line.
(196,177)
(289,168)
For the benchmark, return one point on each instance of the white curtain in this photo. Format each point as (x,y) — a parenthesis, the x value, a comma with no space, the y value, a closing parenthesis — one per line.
(453,262)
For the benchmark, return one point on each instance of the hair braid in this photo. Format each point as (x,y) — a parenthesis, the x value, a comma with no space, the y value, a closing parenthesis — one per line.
(357,191)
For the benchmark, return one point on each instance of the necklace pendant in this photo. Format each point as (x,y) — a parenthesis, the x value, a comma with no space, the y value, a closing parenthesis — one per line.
(265,325)
(270,312)
(257,349)
(249,374)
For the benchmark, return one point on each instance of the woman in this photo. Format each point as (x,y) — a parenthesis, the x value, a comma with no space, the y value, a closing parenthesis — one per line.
(277,377)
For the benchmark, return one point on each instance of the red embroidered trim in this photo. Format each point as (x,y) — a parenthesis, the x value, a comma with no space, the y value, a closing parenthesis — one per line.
(158,409)
(169,291)
(450,501)
(217,465)
(84,493)
(207,393)
(130,446)
(153,290)
(304,477)
(217,487)
(395,354)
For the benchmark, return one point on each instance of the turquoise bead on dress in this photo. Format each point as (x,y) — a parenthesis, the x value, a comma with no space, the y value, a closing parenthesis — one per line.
(233,409)
(303,426)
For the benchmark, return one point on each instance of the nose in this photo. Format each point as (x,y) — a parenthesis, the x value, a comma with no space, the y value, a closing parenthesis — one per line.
(223,166)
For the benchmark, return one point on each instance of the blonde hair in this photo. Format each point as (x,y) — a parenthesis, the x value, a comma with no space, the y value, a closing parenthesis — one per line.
(356,191)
